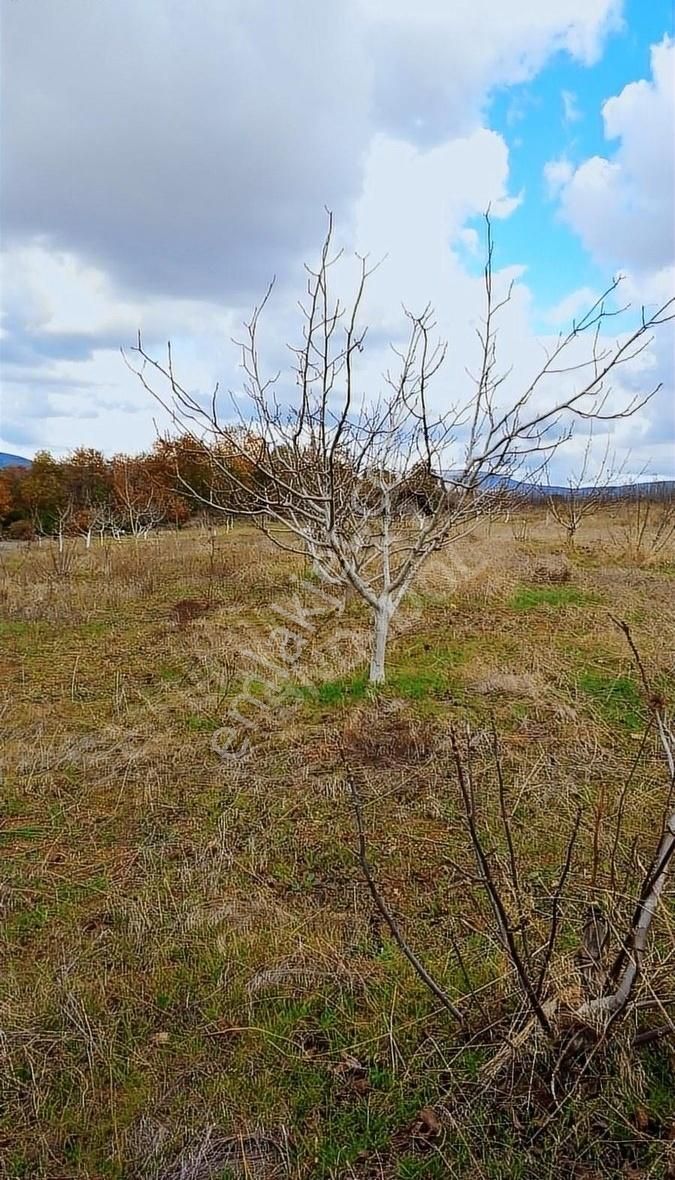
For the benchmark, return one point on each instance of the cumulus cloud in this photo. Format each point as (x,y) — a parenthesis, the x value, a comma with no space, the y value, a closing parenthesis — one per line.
(570,307)
(186,152)
(434,61)
(621,204)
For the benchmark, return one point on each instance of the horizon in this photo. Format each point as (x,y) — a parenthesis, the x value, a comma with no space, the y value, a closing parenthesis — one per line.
(509,482)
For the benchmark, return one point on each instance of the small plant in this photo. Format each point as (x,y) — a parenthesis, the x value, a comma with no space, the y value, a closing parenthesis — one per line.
(606,982)
(520,528)
(582,497)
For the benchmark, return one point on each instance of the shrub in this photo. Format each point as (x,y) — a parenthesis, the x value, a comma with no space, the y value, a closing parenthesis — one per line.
(20,530)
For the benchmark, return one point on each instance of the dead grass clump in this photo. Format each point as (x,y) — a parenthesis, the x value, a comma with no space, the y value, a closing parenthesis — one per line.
(379,737)
(517,684)
(190,608)
(294,977)
(212,1154)
(555,571)
(243,915)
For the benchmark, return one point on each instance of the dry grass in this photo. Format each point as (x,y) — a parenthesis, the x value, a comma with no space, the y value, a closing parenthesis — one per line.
(193,980)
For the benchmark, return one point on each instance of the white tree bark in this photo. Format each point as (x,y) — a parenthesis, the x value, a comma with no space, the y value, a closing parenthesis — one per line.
(381,619)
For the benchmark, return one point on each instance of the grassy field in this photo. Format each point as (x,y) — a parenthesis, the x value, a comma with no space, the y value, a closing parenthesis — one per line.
(194,982)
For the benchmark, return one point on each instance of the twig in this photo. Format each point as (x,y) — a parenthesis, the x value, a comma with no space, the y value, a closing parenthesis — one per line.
(555,907)
(410,955)
(501,916)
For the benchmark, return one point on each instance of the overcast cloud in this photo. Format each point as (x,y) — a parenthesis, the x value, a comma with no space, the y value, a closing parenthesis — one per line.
(162,159)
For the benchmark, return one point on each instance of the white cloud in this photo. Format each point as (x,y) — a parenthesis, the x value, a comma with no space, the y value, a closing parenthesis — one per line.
(570,307)
(435,61)
(190,151)
(468,237)
(621,205)
(557,174)
(571,112)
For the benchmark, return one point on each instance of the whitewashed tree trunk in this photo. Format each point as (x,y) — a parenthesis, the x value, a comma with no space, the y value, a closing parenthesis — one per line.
(381,620)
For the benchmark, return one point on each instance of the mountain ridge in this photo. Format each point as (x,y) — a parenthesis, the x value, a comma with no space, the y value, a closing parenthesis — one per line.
(8,460)
(538,490)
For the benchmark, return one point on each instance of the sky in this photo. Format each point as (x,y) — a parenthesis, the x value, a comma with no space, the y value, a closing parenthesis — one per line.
(162,160)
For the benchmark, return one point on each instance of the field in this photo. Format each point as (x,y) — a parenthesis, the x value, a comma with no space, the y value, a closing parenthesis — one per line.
(195,983)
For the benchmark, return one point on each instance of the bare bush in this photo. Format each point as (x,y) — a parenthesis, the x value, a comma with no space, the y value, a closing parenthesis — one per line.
(583,495)
(528,933)
(648,530)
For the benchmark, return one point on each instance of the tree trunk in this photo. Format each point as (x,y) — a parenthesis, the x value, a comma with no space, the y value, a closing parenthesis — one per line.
(381,620)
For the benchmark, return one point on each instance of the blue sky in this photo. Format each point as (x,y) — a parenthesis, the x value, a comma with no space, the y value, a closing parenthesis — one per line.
(531,117)
(159,168)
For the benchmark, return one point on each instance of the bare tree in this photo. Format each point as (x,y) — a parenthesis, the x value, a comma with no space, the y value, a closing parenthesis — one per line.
(324,473)
(136,503)
(648,530)
(583,494)
(63,555)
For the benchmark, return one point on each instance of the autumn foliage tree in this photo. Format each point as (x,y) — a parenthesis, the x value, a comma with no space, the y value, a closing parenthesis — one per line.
(86,494)
(5,497)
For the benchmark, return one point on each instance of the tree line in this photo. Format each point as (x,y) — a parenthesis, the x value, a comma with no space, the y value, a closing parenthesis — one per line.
(86,494)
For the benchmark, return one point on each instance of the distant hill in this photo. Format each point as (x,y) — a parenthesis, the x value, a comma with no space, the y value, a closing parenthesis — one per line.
(540,491)
(13,460)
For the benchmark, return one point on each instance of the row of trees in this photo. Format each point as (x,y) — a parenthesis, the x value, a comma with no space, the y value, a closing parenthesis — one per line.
(87,494)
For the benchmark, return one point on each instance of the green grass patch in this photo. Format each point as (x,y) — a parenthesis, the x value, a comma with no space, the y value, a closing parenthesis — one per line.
(534,597)
(199,724)
(28,833)
(16,628)
(617,697)
(169,674)
(340,691)
(422,671)
(95,627)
